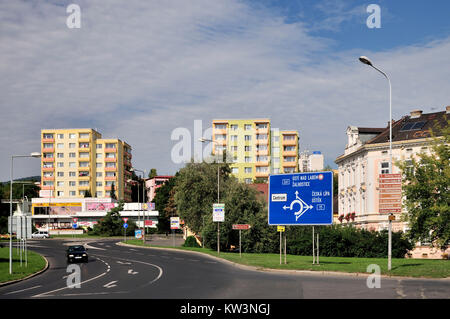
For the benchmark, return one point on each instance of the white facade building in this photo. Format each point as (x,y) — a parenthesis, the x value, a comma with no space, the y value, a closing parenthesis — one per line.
(366,156)
(310,162)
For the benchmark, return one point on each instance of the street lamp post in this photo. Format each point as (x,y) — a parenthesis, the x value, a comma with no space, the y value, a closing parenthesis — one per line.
(367,61)
(203,140)
(35,155)
(143,197)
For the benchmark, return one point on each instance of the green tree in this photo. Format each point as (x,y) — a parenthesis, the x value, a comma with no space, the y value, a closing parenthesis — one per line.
(196,191)
(152,173)
(112,223)
(161,200)
(426,188)
(112,193)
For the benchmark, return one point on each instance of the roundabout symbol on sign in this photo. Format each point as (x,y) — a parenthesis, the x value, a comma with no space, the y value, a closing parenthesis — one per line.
(302,209)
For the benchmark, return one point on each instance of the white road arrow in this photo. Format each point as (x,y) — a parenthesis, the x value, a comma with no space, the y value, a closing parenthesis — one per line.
(110,284)
(123,263)
(131,272)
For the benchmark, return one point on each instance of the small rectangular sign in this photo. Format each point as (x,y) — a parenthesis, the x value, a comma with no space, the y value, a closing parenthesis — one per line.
(281,228)
(219,213)
(241,226)
(174,222)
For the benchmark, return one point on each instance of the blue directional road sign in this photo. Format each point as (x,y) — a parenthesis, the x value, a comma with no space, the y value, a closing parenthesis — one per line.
(125,225)
(74,225)
(301,199)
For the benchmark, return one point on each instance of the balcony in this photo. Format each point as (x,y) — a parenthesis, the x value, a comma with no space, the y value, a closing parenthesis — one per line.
(84,178)
(48,140)
(262,152)
(289,153)
(47,187)
(83,187)
(262,174)
(110,159)
(48,178)
(48,150)
(110,150)
(110,169)
(110,178)
(292,142)
(289,164)
(48,169)
(263,130)
(48,159)
(221,131)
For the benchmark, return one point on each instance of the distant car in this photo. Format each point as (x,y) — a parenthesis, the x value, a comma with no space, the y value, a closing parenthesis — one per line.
(40,234)
(77,253)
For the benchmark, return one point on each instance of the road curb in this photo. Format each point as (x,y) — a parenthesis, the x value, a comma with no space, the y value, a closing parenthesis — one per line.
(2,284)
(289,271)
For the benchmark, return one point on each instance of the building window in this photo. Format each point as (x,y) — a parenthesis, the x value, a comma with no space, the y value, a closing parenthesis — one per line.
(220,126)
(72,193)
(261,136)
(235,170)
(84,164)
(247,148)
(61,136)
(248,159)
(289,170)
(60,164)
(248,181)
(60,155)
(289,148)
(220,137)
(261,169)
(384,168)
(84,155)
(99,184)
(247,137)
(48,135)
(288,137)
(72,183)
(247,127)
(83,183)
(48,145)
(84,135)
(60,174)
(72,135)
(233,138)
(60,194)
(72,145)
(98,146)
(99,194)
(83,145)
(98,155)
(72,155)
(98,165)
(233,127)
(247,170)
(289,158)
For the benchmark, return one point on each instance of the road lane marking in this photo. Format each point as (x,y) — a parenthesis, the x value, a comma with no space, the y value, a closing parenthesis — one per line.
(141,262)
(17,291)
(110,284)
(132,272)
(47,294)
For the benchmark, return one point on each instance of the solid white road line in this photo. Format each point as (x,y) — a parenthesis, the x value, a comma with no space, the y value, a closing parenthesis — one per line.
(17,291)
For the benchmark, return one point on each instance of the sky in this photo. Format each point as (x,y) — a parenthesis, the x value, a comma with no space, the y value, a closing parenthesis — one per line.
(138,70)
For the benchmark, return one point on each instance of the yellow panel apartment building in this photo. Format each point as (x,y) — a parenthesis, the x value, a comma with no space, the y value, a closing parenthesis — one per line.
(255,149)
(75,161)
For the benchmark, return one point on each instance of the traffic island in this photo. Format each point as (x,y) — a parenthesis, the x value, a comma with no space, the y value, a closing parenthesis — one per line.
(36,264)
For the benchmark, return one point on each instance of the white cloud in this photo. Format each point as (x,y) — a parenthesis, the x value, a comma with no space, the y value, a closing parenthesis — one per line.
(136,70)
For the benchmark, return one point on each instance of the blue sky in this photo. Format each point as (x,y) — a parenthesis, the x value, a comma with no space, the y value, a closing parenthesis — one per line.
(137,70)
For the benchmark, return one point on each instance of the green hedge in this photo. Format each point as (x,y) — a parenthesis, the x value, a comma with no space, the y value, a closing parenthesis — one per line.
(334,241)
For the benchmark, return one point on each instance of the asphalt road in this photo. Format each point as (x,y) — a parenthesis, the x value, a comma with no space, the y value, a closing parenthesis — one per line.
(115,271)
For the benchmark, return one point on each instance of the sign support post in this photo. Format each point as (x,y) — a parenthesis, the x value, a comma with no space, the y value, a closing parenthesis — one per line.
(285,247)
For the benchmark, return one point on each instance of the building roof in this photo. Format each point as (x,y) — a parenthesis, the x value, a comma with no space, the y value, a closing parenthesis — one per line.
(412,128)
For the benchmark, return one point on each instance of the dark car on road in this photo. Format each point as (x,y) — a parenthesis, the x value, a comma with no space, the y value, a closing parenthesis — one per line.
(77,253)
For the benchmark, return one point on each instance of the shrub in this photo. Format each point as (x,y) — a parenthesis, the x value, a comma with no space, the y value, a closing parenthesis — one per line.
(191,242)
